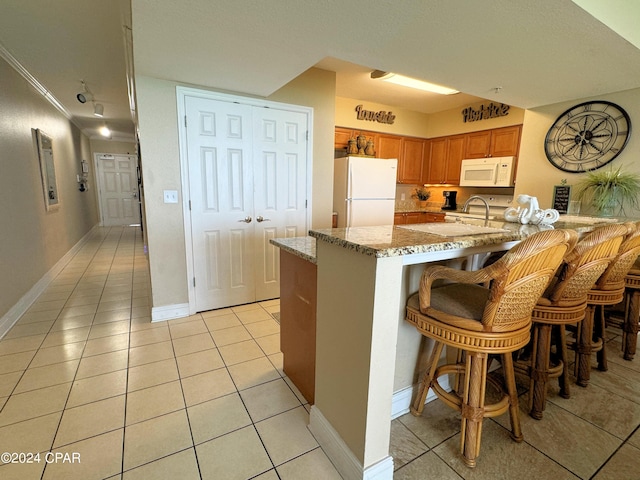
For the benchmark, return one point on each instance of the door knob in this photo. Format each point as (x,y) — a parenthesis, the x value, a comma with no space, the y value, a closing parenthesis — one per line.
(260,219)
(247,219)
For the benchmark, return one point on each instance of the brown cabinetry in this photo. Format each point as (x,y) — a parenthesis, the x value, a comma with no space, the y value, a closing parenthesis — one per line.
(399,218)
(433,217)
(436,160)
(499,142)
(298,285)
(341,138)
(408,218)
(389,146)
(445,157)
(411,161)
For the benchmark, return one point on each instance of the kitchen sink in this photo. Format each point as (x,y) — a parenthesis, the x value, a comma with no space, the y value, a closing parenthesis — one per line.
(454,216)
(453,229)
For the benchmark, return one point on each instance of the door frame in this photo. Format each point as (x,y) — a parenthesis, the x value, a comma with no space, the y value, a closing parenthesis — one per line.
(181,93)
(98,184)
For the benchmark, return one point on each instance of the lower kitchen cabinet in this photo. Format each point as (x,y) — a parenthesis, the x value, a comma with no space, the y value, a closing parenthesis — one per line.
(298,284)
(408,218)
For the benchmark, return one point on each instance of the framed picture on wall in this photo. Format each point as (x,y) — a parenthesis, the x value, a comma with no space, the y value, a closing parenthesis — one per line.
(44,148)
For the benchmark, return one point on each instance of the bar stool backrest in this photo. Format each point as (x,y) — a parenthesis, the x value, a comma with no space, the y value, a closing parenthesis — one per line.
(613,277)
(584,264)
(527,273)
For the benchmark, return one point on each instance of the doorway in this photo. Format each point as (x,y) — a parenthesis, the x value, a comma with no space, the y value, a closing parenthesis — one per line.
(245,181)
(118,192)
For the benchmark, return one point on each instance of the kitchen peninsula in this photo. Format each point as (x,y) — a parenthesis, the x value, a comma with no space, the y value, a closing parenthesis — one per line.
(365,353)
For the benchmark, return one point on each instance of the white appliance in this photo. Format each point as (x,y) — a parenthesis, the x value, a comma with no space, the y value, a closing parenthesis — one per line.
(364,191)
(487,172)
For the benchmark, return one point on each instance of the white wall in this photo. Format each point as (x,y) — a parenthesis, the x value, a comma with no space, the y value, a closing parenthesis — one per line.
(536,175)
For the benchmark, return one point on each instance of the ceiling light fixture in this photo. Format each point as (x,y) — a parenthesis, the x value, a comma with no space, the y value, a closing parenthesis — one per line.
(412,82)
(105,132)
(98,110)
(85,94)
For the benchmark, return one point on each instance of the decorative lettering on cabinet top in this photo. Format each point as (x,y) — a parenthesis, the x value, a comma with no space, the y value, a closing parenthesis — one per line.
(380,117)
(492,110)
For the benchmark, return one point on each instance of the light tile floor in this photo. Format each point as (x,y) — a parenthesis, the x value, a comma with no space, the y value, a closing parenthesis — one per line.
(592,435)
(84,372)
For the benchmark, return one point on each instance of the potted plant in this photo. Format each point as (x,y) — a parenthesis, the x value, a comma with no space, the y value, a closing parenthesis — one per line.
(422,194)
(609,191)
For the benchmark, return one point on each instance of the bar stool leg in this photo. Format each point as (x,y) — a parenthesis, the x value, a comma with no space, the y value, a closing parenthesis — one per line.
(473,406)
(601,333)
(427,378)
(539,369)
(561,346)
(631,319)
(510,382)
(584,347)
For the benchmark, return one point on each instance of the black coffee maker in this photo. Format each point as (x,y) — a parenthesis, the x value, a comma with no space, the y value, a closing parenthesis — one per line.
(449,200)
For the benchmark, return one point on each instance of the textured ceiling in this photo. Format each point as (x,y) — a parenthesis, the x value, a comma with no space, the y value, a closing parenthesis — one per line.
(539,52)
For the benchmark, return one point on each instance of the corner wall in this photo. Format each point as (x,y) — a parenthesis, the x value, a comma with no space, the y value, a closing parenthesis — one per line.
(160,158)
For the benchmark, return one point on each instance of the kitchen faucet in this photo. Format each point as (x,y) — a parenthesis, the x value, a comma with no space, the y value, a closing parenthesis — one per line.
(465,208)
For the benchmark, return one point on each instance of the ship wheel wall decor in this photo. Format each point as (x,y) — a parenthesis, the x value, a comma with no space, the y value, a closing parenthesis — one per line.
(587,136)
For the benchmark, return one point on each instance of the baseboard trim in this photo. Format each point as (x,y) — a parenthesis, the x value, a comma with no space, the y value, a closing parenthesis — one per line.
(341,456)
(10,318)
(169,312)
(401,401)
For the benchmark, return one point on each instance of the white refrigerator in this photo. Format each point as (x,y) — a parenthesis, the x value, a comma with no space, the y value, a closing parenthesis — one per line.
(364,191)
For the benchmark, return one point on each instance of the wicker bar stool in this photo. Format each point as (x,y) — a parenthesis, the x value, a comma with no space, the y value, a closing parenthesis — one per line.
(564,303)
(481,321)
(631,319)
(608,290)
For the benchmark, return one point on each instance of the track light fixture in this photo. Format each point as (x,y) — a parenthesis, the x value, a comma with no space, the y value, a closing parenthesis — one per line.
(98,110)
(85,94)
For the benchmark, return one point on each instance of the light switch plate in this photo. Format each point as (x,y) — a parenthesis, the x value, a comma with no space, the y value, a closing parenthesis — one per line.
(170,196)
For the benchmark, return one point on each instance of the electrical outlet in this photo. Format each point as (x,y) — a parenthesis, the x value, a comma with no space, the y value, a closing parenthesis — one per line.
(170,196)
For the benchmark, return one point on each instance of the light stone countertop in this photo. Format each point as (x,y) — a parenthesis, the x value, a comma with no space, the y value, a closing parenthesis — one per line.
(390,241)
(303,247)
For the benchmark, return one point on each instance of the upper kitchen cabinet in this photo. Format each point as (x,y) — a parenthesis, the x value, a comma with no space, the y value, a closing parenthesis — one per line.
(498,142)
(341,138)
(445,159)
(410,163)
(388,146)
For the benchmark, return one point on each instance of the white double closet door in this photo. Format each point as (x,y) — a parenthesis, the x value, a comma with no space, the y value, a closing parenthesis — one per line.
(247,169)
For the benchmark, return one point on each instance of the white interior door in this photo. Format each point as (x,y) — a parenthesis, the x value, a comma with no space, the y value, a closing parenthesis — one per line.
(247,184)
(280,172)
(221,193)
(118,189)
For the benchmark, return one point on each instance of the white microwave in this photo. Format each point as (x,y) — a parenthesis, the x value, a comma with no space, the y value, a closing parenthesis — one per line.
(487,172)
